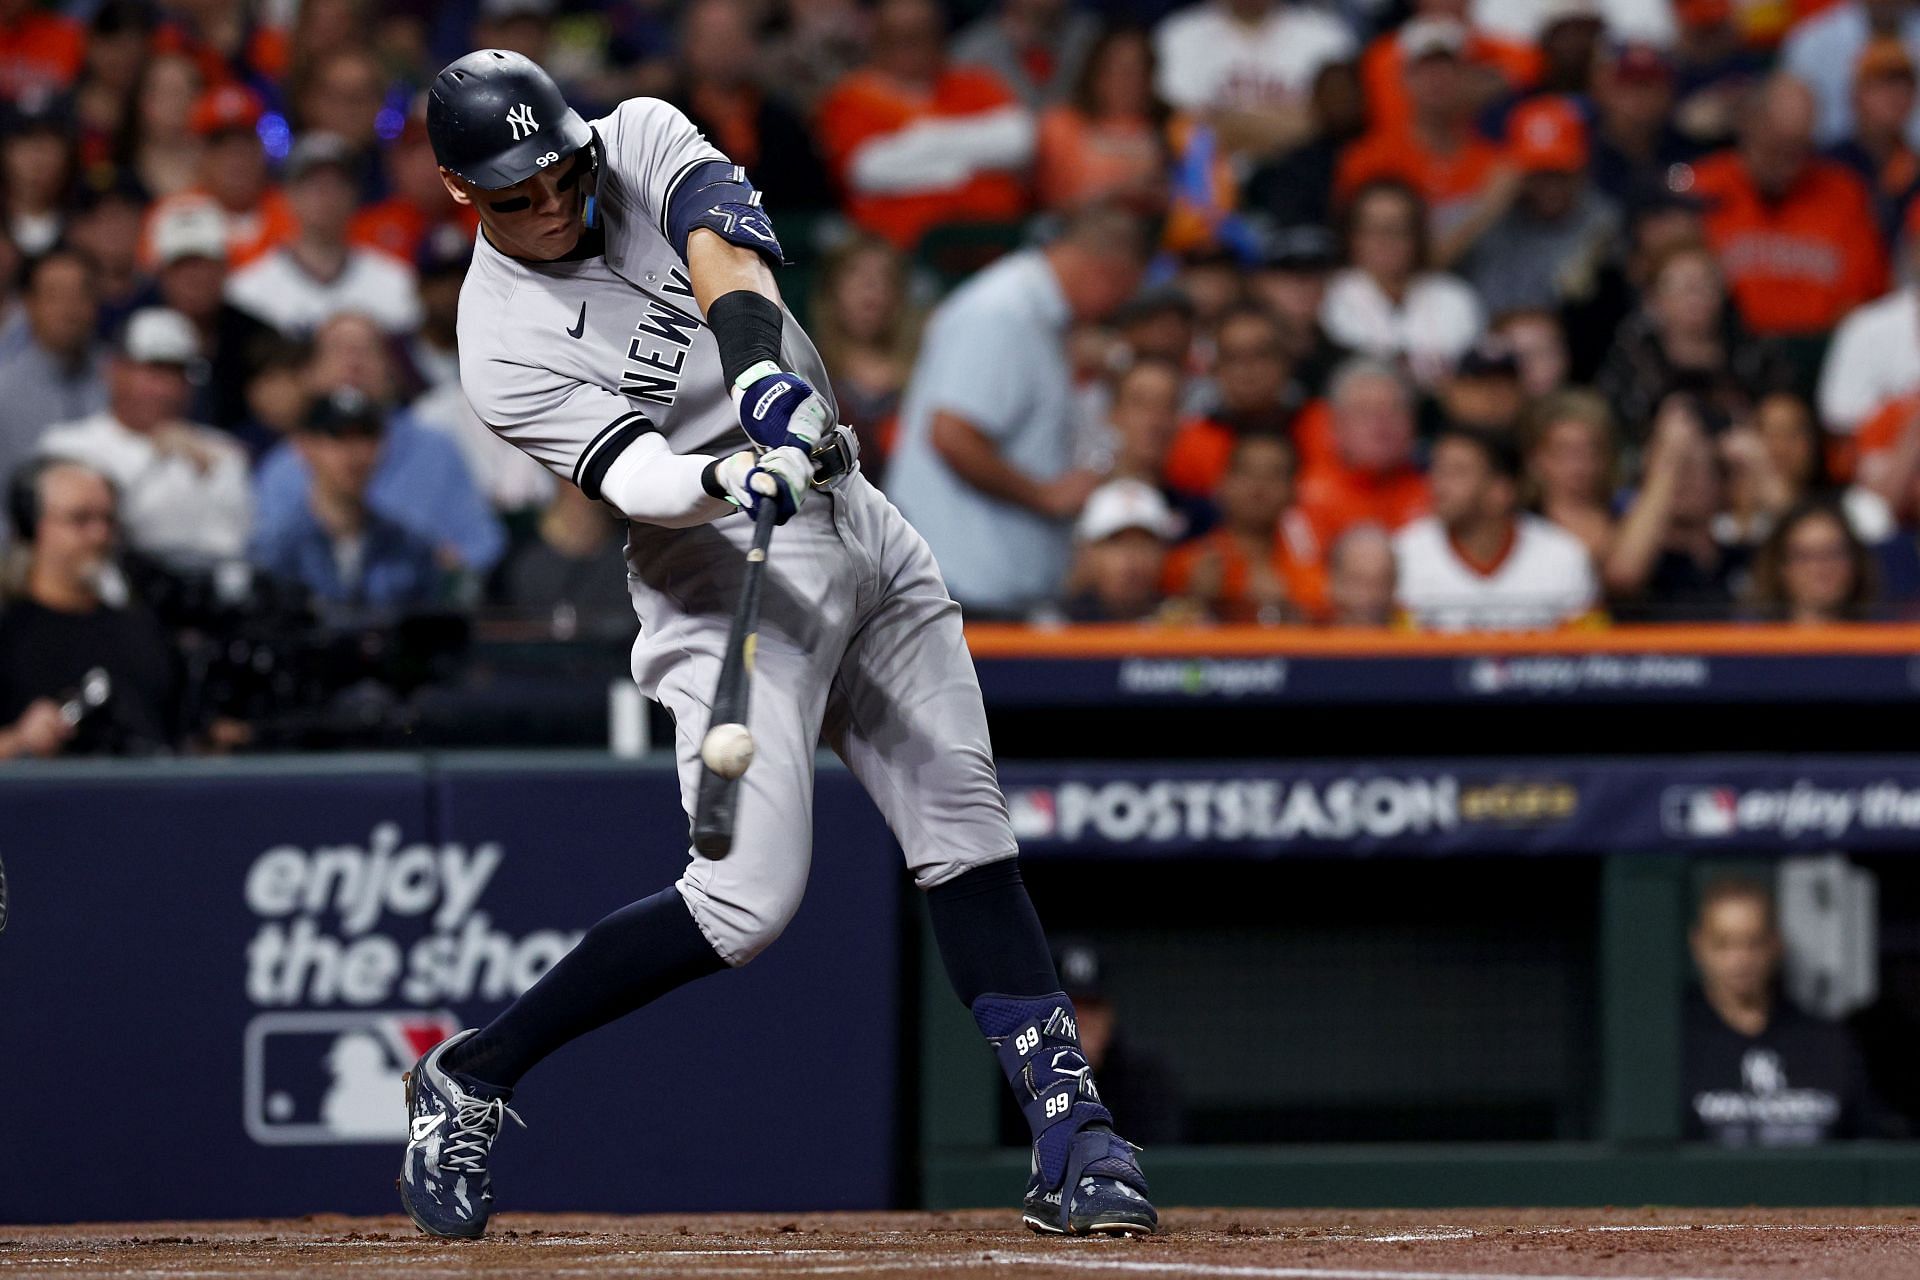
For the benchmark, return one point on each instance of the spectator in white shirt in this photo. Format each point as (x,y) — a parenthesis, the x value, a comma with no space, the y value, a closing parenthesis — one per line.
(1248,66)
(1477,563)
(1875,357)
(319,274)
(1649,21)
(1387,304)
(184,494)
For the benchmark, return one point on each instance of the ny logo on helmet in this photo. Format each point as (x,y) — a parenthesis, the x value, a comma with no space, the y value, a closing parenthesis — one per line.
(521,120)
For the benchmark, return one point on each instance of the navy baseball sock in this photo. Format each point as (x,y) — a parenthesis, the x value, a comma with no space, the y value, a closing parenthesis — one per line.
(634,956)
(989,937)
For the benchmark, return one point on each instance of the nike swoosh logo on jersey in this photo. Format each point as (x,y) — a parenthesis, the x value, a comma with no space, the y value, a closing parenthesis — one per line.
(424,1125)
(580,325)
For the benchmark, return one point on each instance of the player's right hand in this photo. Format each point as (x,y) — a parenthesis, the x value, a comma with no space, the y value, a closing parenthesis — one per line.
(781,476)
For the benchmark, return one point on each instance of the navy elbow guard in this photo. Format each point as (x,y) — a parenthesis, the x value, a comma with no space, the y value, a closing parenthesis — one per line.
(717,196)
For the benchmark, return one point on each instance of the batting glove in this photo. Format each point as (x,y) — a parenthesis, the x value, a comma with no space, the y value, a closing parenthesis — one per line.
(778,408)
(782,476)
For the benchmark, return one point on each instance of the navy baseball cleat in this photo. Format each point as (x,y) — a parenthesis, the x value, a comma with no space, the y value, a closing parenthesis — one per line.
(1102,1192)
(452,1123)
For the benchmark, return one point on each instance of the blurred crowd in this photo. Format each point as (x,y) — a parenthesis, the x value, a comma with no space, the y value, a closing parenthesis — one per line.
(1445,314)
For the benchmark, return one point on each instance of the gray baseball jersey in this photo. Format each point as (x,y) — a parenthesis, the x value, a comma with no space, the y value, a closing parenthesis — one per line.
(552,354)
(859,642)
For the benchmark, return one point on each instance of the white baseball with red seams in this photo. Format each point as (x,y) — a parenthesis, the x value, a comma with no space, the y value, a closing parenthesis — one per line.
(727,749)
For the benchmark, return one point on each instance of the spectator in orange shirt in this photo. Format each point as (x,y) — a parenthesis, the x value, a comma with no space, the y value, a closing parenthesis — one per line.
(1795,234)
(419,204)
(233,178)
(1436,151)
(1248,569)
(1492,66)
(1369,473)
(1105,143)
(1888,465)
(1256,396)
(916,142)
(231,43)
(38,50)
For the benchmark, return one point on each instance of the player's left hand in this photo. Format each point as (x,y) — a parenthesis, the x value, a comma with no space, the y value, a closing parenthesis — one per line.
(782,476)
(778,408)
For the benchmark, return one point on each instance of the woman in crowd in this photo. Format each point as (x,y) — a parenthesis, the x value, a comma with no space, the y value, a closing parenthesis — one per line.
(1106,143)
(117,49)
(159,146)
(1666,562)
(1685,335)
(867,330)
(1787,431)
(1386,302)
(1812,569)
(1570,466)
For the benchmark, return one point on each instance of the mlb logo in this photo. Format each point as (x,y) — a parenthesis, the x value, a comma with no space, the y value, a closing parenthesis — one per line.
(1701,811)
(314,1078)
(1033,813)
(1484,675)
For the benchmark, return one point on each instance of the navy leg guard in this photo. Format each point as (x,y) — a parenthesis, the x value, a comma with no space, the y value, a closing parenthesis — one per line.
(1085,1177)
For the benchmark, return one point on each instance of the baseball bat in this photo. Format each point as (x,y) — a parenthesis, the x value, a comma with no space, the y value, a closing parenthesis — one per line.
(714,804)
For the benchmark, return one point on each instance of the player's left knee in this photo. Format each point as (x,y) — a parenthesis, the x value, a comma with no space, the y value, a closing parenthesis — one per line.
(741,930)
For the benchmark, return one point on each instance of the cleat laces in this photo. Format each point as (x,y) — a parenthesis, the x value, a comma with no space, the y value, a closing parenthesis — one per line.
(475,1125)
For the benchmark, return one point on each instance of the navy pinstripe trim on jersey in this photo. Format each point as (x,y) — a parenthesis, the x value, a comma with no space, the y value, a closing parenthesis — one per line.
(598,456)
(673,185)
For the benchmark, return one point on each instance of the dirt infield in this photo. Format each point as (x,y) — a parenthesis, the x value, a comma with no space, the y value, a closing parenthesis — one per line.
(1637,1244)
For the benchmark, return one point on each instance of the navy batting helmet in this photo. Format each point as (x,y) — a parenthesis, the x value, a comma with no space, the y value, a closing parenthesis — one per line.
(496,118)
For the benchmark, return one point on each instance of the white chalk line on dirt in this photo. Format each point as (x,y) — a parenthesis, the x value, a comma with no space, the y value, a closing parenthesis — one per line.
(1256,1272)
(986,1259)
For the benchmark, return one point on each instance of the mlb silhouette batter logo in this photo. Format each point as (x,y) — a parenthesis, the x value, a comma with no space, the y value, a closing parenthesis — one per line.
(326,1077)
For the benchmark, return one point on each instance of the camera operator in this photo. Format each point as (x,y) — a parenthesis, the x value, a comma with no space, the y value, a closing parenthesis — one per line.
(64,640)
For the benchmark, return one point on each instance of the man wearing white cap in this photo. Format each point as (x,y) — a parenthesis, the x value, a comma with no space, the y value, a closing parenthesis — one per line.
(190,252)
(320,274)
(1122,538)
(183,488)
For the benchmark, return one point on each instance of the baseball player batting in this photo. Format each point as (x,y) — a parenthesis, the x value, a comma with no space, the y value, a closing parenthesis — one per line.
(621,324)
